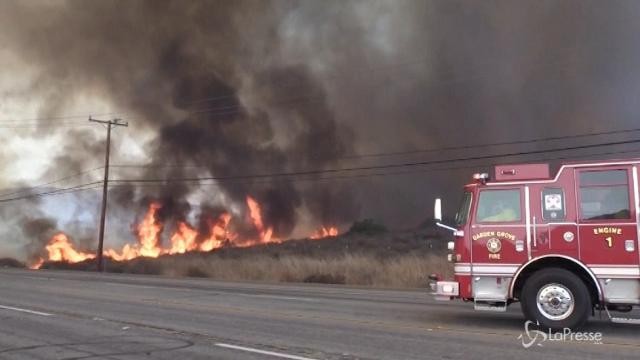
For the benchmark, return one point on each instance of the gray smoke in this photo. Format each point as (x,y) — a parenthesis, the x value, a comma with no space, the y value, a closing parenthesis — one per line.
(27,233)
(245,87)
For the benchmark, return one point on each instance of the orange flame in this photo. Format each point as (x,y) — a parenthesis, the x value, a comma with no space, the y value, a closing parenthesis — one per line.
(37,265)
(324,232)
(149,232)
(61,249)
(185,238)
(255,212)
(219,234)
(128,252)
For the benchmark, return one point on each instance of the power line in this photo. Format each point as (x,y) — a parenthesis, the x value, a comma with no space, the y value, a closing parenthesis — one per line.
(421,151)
(93,187)
(25,123)
(151,166)
(55,118)
(363,155)
(375,167)
(52,182)
(52,192)
(33,126)
(351,176)
(504,143)
(464,147)
(98,184)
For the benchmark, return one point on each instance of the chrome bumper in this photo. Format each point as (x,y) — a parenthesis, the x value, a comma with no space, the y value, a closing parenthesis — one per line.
(444,290)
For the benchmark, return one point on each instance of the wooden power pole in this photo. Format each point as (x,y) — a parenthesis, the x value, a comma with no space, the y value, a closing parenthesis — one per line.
(103,213)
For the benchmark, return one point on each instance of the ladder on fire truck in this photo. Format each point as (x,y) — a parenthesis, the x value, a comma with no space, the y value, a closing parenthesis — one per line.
(621,320)
(482,303)
(490,305)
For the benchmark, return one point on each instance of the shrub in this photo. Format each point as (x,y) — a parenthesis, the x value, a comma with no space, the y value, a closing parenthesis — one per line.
(325,279)
(367,227)
(194,271)
(10,263)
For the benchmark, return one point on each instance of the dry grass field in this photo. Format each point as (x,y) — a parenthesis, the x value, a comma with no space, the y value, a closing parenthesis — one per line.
(369,256)
(364,270)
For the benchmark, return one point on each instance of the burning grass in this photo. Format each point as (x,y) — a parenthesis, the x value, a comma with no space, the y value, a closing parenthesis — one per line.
(221,231)
(387,260)
(406,271)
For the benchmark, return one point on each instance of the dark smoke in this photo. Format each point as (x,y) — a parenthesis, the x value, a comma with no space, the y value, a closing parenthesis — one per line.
(293,86)
(38,231)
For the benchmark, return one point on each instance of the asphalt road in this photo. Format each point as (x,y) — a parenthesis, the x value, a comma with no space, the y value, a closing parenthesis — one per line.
(72,315)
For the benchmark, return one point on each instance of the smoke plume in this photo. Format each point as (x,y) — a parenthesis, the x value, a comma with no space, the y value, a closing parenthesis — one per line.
(227,89)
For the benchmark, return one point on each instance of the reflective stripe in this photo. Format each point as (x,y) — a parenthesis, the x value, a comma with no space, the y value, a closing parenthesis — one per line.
(615,271)
(486,269)
(630,270)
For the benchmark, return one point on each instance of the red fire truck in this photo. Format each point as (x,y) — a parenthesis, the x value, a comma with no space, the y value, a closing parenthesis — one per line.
(562,246)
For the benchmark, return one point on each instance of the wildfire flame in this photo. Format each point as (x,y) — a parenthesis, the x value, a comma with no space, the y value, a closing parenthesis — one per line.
(324,232)
(185,238)
(61,249)
(256,216)
(219,233)
(149,232)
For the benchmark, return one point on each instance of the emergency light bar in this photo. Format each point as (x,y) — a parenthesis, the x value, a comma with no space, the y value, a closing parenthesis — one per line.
(482,177)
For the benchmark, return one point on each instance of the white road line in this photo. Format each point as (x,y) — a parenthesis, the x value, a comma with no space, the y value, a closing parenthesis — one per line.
(275,297)
(263,352)
(278,297)
(25,310)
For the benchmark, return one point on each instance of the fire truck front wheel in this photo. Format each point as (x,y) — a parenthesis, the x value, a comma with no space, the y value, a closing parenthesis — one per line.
(556,298)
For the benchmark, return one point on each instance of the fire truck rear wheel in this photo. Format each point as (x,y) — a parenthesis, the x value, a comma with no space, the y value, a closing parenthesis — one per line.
(556,298)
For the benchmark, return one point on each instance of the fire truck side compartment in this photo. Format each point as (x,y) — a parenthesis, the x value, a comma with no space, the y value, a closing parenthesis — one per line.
(490,288)
(621,291)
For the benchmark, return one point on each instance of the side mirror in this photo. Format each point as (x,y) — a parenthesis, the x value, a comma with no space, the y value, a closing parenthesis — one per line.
(437,214)
(437,209)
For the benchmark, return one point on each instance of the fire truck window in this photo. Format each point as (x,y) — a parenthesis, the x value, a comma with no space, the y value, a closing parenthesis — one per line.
(604,195)
(463,211)
(499,206)
(553,207)
(611,177)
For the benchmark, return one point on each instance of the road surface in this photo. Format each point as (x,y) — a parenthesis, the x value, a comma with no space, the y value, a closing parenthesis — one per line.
(74,315)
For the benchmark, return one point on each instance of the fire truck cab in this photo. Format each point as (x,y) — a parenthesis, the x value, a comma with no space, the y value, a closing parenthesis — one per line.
(562,246)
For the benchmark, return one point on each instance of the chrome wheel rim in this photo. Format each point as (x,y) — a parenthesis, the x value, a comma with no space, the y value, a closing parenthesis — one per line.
(555,302)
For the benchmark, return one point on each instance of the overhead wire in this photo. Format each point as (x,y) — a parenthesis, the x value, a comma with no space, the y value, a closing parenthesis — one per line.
(98,184)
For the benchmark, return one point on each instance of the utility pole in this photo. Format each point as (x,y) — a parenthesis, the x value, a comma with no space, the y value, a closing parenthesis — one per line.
(103,214)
